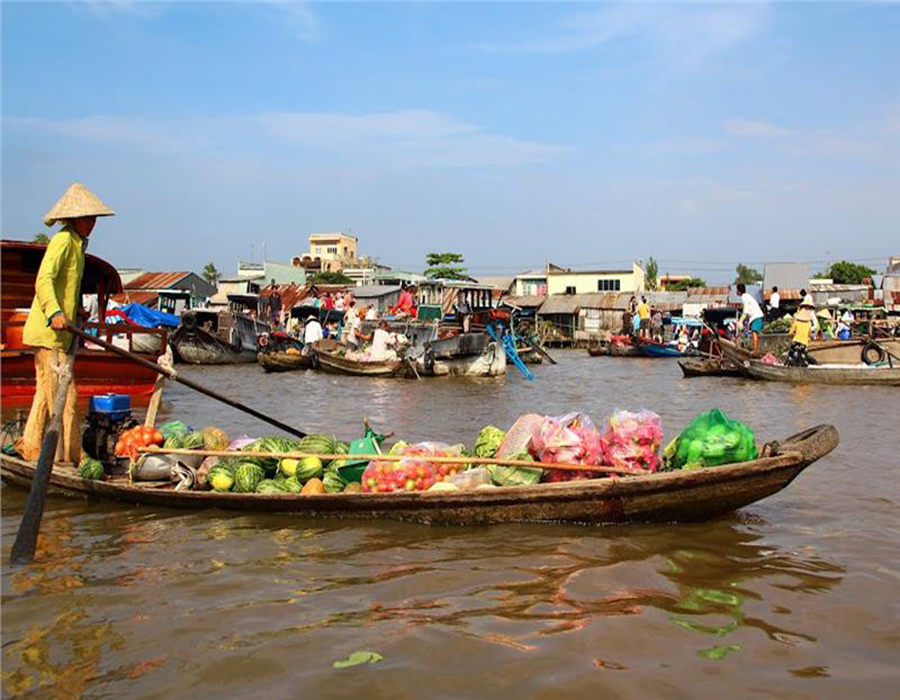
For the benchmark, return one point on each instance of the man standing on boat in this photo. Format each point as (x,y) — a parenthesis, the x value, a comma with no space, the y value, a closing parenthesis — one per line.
(751,312)
(57,302)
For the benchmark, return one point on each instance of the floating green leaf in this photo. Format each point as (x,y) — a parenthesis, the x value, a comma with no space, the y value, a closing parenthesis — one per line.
(357,658)
(717,653)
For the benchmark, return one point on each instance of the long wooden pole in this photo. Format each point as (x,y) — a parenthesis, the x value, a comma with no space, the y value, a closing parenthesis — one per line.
(462,459)
(171,374)
(26,538)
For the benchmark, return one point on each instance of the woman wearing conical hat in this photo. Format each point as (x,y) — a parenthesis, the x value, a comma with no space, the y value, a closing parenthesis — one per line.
(56,301)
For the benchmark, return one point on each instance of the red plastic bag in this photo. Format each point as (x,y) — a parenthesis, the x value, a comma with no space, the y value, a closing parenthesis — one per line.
(632,440)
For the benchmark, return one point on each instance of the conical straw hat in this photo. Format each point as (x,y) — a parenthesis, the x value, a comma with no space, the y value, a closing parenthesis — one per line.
(77,201)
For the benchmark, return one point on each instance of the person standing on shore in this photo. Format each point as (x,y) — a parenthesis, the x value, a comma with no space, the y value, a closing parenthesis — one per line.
(57,302)
(752,313)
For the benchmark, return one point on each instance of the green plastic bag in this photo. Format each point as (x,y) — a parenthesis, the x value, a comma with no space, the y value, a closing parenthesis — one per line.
(711,439)
(174,428)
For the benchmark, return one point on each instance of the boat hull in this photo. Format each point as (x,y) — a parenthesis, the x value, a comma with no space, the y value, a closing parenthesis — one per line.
(665,497)
(283,361)
(695,367)
(825,374)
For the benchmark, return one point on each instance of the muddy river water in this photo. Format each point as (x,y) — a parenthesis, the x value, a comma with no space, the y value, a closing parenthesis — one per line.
(795,596)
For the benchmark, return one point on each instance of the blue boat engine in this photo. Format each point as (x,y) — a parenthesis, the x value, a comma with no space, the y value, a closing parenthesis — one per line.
(109,415)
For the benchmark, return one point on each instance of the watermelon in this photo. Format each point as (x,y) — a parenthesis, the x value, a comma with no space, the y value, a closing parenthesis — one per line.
(341,447)
(291,485)
(221,478)
(193,441)
(91,469)
(247,477)
(309,468)
(332,480)
(318,444)
(215,439)
(174,428)
(271,444)
(270,486)
(174,443)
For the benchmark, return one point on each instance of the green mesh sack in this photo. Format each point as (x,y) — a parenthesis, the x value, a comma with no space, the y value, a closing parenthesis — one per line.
(711,439)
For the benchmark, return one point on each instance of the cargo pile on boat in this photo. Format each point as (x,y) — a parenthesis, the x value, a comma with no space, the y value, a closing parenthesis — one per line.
(628,443)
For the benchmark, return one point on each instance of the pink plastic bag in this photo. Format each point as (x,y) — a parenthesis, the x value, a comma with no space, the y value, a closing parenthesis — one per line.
(632,440)
(569,439)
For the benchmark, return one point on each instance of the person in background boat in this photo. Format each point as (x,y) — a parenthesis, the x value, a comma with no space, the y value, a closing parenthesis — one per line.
(348,297)
(381,342)
(57,301)
(274,305)
(752,314)
(372,313)
(354,337)
(845,325)
(312,332)
(627,316)
(824,321)
(338,302)
(656,326)
(774,301)
(643,311)
(801,331)
(406,306)
(463,312)
(806,298)
(327,302)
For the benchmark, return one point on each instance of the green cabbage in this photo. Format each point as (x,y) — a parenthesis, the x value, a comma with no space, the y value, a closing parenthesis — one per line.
(514,476)
(488,441)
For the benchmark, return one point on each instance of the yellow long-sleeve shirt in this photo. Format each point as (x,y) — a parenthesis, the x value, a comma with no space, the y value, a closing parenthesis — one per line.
(57,288)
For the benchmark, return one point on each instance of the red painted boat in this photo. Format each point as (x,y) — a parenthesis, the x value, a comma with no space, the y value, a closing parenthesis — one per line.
(96,371)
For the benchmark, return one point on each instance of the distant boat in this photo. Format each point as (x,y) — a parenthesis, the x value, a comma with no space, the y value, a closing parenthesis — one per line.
(212,337)
(825,374)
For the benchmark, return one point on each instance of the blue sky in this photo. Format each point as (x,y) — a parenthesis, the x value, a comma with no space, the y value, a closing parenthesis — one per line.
(583,134)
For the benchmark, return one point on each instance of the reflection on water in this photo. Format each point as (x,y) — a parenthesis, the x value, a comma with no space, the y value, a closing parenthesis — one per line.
(153,602)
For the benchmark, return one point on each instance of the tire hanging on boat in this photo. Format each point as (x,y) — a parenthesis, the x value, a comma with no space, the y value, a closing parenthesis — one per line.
(867,354)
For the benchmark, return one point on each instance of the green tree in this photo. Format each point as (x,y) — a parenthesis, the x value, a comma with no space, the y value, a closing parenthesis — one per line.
(684,285)
(845,272)
(211,274)
(330,278)
(42,237)
(445,266)
(747,275)
(652,274)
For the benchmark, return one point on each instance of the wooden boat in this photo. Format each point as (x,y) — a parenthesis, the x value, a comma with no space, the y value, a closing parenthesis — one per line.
(663,497)
(598,350)
(213,337)
(280,352)
(660,350)
(705,367)
(823,352)
(96,371)
(623,346)
(825,374)
(325,356)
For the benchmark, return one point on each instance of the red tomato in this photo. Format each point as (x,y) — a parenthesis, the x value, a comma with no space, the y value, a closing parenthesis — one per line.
(158,437)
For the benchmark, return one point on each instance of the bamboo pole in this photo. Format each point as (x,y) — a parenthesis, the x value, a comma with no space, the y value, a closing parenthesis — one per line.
(462,459)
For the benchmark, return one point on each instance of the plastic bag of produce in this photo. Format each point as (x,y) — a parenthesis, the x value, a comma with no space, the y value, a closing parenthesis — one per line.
(710,440)
(470,478)
(569,439)
(503,475)
(389,477)
(174,428)
(632,440)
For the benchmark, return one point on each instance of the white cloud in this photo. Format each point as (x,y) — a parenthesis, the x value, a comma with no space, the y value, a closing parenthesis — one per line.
(754,128)
(683,34)
(404,139)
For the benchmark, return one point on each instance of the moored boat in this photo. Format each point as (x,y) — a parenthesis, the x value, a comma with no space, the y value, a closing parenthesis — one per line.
(825,374)
(649,349)
(598,350)
(279,352)
(326,356)
(690,495)
(213,337)
(708,367)
(96,371)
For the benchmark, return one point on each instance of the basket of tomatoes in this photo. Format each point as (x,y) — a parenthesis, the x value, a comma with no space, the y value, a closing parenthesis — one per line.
(134,439)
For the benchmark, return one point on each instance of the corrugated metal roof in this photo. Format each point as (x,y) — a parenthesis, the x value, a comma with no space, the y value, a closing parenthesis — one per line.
(528,301)
(156,280)
(786,276)
(144,298)
(373,291)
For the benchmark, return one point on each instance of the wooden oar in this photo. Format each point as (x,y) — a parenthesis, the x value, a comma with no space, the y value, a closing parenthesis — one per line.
(462,459)
(26,538)
(171,374)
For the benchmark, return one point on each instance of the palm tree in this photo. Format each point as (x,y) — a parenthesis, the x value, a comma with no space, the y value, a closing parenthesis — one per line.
(211,274)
